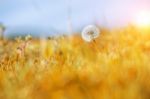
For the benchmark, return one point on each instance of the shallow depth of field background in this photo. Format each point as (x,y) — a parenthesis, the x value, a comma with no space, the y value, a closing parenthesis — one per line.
(43,56)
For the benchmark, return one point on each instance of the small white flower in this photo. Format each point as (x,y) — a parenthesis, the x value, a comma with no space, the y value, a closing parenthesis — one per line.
(90,32)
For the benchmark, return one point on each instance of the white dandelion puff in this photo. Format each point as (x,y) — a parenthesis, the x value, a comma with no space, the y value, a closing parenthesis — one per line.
(90,33)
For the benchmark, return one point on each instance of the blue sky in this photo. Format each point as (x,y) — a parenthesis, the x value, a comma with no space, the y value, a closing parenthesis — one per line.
(54,16)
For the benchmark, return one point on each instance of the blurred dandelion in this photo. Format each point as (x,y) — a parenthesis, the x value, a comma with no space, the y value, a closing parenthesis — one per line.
(90,33)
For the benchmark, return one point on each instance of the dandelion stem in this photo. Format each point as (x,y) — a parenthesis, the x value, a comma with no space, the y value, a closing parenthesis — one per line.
(95,45)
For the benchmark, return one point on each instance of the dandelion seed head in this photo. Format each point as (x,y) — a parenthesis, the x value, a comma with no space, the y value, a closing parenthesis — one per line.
(90,32)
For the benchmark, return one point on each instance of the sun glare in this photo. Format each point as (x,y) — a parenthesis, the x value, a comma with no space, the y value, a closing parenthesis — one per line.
(143,19)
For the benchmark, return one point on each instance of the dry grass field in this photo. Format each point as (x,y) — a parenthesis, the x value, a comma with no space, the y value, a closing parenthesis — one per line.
(116,66)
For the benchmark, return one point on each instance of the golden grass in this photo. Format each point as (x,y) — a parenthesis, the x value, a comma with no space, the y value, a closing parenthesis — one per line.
(67,67)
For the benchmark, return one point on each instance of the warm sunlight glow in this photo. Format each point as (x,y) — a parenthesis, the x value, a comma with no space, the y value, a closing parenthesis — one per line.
(143,19)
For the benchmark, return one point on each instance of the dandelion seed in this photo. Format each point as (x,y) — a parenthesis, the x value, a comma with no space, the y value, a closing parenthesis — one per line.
(90,32)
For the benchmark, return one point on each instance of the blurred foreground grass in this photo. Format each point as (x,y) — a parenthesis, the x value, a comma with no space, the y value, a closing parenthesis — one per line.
(66,67)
